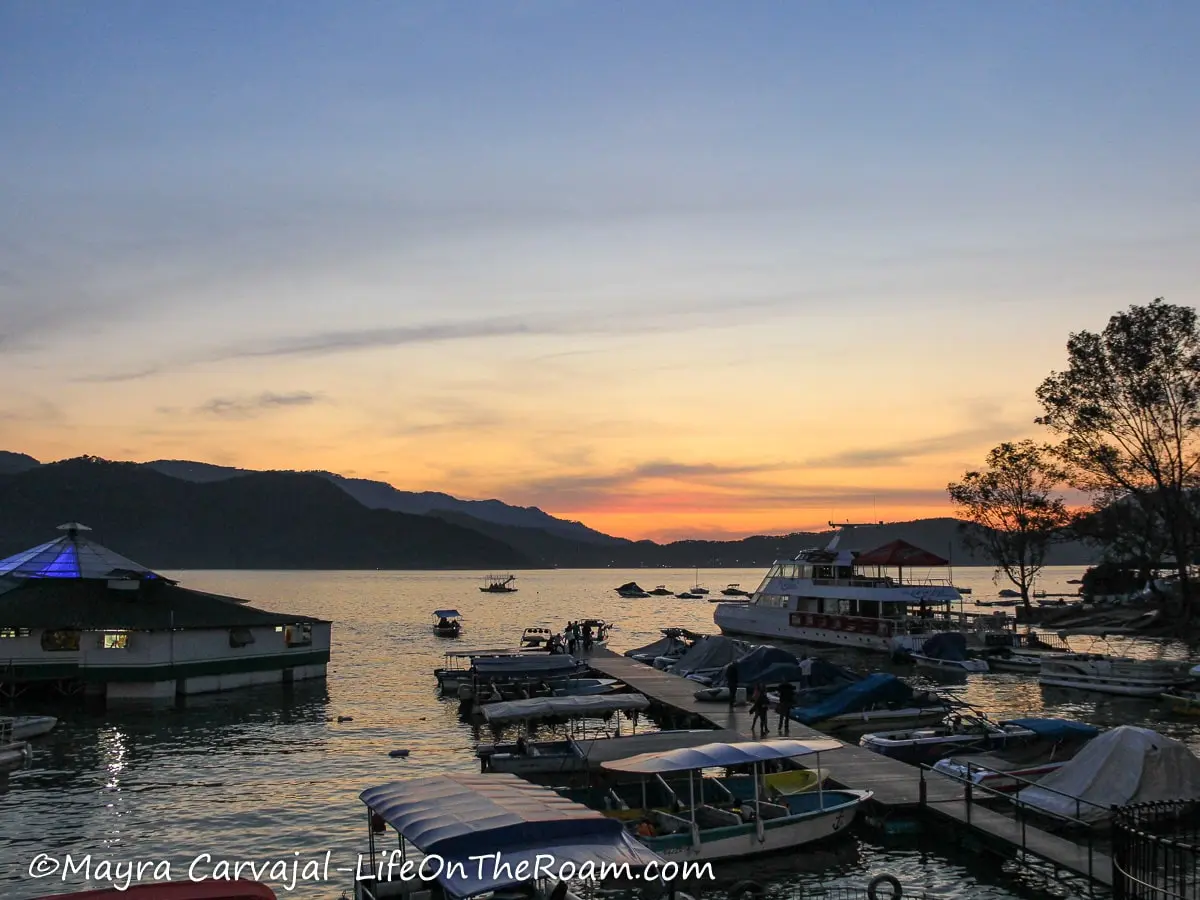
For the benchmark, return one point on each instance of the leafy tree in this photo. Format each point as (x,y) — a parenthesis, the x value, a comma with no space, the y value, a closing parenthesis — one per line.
(1014,509)
(1128,537)
(1127,408)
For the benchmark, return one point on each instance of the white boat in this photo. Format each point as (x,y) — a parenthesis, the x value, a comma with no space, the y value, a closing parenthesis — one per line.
(848,599)
(27,727)
(705,830)
(955,666)
(446,623)
(972,734)
(460,666)
(451,819)
(879,701)
(1112,674)
(992,772)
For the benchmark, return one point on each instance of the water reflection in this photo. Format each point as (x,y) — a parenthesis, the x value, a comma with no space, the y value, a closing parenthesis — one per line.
(269,771)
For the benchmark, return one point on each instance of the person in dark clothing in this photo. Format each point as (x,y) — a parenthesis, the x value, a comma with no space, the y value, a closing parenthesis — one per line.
(759,708)
(587,638)
(787,698)
(731,679)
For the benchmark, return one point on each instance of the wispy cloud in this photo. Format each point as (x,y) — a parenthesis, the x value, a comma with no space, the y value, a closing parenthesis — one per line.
(39,410)
(250,407)
(988,425)
(612,321)
(712,474)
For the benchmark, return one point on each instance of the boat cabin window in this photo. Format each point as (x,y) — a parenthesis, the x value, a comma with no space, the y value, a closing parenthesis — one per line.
(60,640)
(845,572)
(114,640)
(240,637)
(779,601)
(822,571)
(14,632)
(869,608)
(297,635)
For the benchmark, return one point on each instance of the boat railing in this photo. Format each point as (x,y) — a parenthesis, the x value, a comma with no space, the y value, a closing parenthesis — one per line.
(662,782)
(1021,808)
(870,581)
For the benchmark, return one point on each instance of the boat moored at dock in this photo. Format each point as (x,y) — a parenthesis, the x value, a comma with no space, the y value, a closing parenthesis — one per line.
(1123,676)
(844,598)
(716,825)
(453,818)
(973,734)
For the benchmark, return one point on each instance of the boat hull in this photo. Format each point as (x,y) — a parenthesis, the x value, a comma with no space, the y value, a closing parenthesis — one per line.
(1007,782)
(951,666)
(1122,677)
(26,727)
(778,835)
(860,723)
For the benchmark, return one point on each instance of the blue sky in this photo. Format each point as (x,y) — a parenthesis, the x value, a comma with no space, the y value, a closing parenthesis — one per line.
(532,226)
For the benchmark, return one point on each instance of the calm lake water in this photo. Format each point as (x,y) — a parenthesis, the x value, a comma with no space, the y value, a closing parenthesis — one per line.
(268,773)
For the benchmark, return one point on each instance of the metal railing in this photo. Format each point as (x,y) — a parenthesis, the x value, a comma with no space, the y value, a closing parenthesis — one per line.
(1156,851)
(1022,809)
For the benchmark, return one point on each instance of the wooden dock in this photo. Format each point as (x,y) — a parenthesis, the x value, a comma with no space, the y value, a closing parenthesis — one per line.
(896,785)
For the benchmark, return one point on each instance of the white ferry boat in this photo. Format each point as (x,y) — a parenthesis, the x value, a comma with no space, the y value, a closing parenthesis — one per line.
(849,599)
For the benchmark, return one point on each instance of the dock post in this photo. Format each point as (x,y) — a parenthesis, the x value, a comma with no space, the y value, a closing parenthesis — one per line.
(922,792)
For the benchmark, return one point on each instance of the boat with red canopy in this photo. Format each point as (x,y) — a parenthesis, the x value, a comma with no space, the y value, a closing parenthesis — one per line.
(891,598)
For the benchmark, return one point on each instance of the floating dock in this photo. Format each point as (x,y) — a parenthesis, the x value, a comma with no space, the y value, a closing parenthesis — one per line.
(896,785)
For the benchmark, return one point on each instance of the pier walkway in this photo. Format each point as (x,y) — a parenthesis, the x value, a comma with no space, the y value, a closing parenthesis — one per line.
(896,785)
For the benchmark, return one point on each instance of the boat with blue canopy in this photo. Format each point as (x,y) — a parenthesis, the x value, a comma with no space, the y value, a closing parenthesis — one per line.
(446,623)
(707,820)
(455,818)
(876,702)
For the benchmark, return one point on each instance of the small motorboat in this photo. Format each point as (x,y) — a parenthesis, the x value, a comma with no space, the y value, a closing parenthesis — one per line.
(661,591)
(26,727)
(734,590)
(631,589)
(536,638)
(598,628)
(991,770)
(688,595)
(446,623)
(947,652)
(698,589)
(973,733)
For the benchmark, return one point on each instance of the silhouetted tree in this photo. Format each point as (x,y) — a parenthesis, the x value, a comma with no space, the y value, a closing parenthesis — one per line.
(1015,511)
(1127,536)
(1128,411)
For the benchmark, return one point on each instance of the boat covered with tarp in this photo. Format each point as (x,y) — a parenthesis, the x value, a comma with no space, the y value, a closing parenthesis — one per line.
(673,644)
(878,701)
(708,656)
(454,817)
(947,651)
(1123,766)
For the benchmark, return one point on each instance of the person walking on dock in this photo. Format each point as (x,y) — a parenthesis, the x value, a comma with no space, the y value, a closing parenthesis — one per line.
(787,696)
(759,709)
(731,679)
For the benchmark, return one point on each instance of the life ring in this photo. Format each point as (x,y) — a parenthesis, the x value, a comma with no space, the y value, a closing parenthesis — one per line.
(873,887)
(746,889)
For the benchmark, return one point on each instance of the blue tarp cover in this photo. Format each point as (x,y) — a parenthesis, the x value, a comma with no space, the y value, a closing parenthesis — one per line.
(459,816)
(1056,728)
(872,690)
(447,613)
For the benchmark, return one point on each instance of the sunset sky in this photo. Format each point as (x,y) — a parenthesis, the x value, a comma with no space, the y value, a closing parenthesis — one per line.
(673,269)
